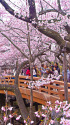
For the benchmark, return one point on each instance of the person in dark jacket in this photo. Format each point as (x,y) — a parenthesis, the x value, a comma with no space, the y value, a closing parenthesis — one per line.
(57,67)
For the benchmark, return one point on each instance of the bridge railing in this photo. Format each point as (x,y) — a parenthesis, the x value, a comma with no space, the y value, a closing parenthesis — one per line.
(23,81)
(55,88)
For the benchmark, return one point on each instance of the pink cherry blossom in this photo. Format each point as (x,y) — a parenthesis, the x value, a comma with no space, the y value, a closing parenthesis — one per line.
(52,121)
(49,102)
(36,113)
(43,115)
(43,107)
(3,109)
(18,117)
(38,116)
(50,108)
(5,118)
(24,121)
(10,108)
(57,102)
(32,122)
(10,116)
(64,121)
(57,110)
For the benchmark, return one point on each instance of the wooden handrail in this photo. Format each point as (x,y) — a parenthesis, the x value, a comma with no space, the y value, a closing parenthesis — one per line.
(54,90)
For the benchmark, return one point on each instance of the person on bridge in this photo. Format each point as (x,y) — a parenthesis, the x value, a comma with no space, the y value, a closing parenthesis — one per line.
(28,72)
(57,67)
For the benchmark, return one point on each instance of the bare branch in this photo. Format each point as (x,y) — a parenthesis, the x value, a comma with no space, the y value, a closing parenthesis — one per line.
(14,45)
(43,60)
(41,5)
(52,10)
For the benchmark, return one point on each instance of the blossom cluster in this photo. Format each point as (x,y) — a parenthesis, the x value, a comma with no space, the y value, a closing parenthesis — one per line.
(57,113)
(28,121)
(40,82)
(9,114)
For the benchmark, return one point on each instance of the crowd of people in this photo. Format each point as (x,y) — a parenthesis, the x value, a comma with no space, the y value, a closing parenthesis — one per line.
(47,71)
(44,70)
(52,71)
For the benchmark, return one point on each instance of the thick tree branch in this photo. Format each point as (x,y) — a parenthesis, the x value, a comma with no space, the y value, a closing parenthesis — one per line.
(67,27)
(54,35)
(60,59)
(12,12)
(43,60)
(18,70)
(32,10)
(59,6)
(67,38)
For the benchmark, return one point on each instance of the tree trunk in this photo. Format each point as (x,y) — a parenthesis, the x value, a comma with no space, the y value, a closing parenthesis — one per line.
(31,72)
(20,102)
(69,59)
(31,92)
(65,76)
(19,99)
(2,100)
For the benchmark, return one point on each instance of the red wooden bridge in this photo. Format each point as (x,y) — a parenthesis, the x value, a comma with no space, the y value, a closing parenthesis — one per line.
(46,92)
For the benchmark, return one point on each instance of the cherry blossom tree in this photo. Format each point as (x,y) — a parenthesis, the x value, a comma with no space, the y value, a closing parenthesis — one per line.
(49,19)
(16,34)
